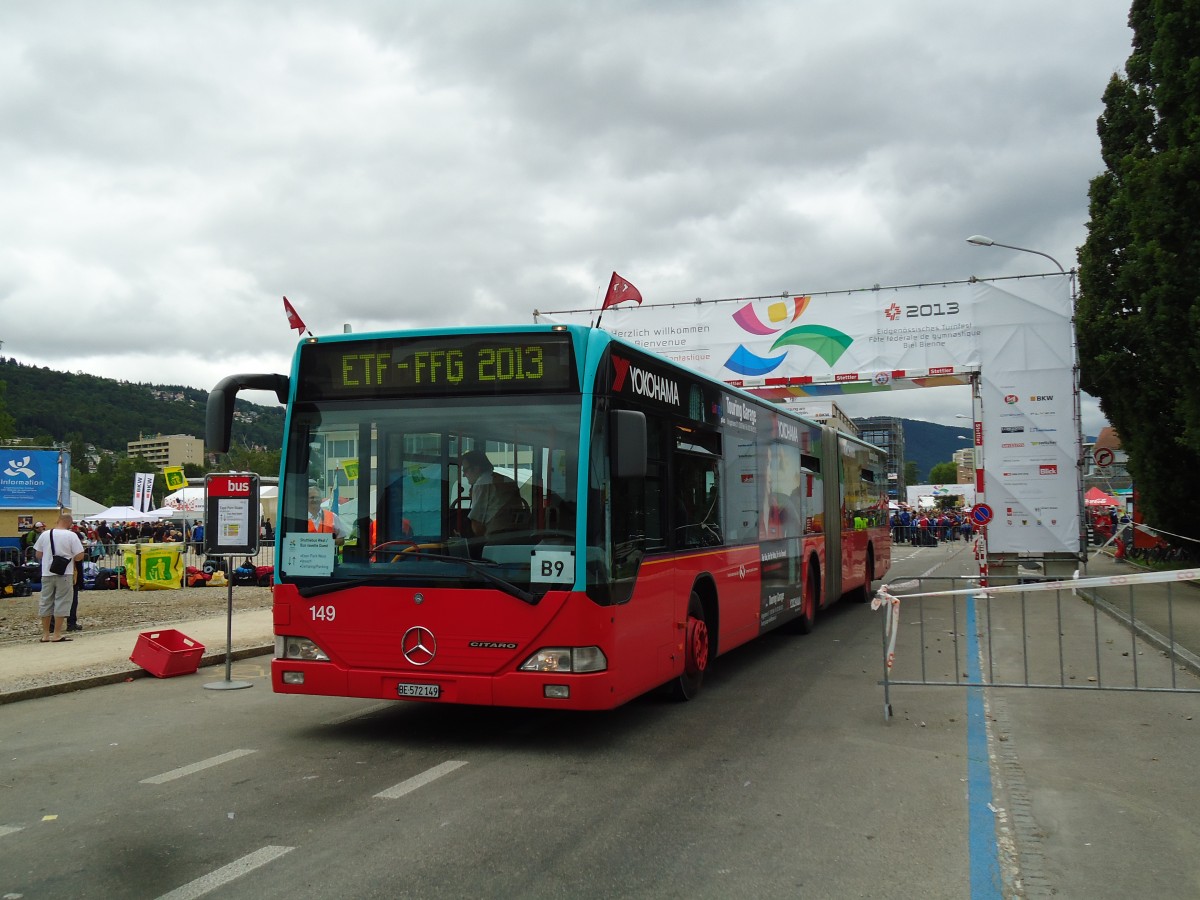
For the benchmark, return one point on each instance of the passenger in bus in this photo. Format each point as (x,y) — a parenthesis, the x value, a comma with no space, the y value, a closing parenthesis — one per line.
(325,521)
(496,504)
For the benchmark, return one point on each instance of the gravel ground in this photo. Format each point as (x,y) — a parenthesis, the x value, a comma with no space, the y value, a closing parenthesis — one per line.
(125,610)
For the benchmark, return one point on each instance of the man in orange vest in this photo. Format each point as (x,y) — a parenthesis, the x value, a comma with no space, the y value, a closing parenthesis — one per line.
(325,521)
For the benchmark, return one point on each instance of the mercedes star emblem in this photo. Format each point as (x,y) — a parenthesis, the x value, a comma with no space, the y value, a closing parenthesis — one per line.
(419,645)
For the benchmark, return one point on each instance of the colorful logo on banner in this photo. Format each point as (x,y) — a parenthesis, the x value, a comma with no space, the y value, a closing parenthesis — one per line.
(827,343)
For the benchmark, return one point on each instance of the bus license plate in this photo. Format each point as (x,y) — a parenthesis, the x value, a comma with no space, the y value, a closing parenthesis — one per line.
(418,690)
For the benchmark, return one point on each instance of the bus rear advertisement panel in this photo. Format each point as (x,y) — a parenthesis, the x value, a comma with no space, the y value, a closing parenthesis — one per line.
(547,517)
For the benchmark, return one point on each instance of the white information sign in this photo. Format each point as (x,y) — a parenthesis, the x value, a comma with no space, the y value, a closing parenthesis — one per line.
(233,521)
(307,555)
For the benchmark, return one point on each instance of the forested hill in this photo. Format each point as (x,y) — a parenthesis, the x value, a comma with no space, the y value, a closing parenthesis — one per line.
(110,413)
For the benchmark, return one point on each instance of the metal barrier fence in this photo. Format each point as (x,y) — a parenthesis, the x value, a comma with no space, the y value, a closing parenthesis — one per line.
(110,556)
(1038,633)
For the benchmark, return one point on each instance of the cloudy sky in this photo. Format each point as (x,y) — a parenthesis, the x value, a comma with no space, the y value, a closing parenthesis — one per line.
(168,171)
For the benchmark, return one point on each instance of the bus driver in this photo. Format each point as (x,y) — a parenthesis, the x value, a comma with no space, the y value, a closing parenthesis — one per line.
(495,502)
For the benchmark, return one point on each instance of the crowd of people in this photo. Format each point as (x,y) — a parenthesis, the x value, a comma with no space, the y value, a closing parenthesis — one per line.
(927,527)
(102,538)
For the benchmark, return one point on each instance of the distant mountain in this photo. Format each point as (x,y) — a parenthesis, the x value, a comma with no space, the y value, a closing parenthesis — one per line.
(110,413)
(928,444)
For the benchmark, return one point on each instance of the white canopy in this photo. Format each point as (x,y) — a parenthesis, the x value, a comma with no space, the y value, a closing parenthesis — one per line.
(191,499)
(84,507)
(188,499)
(124,514)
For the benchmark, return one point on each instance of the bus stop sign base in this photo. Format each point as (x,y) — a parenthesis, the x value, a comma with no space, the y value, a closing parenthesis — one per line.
(227,685)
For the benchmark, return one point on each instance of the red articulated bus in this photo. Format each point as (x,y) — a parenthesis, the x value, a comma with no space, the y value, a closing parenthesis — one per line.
(619,523)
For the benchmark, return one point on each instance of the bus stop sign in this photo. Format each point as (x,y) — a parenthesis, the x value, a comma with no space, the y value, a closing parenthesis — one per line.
(231,514)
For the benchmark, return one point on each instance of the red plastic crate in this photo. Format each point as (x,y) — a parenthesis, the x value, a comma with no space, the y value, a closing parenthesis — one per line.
(166,653)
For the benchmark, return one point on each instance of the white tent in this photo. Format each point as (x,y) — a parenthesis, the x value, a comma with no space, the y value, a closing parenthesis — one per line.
(124,514)
(188,499)
(84,507)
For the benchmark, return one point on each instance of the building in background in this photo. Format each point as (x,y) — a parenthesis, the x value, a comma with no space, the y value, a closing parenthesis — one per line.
(168,449)
(887,433)
(964,464)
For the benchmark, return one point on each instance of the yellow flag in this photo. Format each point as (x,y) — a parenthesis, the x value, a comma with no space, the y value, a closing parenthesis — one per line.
(174,477)
(350,467)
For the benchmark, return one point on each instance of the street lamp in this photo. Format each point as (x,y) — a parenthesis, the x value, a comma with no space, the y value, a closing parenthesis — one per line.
(980,241)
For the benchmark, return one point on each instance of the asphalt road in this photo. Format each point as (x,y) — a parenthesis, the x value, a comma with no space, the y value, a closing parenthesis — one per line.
(781,780)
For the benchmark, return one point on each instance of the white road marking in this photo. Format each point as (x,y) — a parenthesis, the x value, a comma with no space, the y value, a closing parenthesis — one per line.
(197,767)
(421,780)
(226,874)
(362,712)
(9,829)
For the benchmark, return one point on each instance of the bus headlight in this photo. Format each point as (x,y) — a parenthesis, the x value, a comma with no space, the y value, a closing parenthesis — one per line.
(566,659)
(287,647)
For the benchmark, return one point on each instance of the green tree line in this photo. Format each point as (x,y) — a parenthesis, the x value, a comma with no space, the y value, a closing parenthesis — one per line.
(51,406)
(43,407)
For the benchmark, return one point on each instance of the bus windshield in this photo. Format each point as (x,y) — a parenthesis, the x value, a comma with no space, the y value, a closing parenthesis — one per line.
(447,491)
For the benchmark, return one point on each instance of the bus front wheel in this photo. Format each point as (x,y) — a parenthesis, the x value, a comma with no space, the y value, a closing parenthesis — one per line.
(695,651)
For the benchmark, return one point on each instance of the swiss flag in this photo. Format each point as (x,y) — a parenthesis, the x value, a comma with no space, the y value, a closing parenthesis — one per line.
(294,320)
(620,290)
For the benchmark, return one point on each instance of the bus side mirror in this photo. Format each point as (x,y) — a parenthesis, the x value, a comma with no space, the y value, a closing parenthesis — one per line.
(628,430)
(218,422)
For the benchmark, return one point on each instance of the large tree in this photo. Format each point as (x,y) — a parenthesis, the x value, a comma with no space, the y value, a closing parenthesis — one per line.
(1138,315)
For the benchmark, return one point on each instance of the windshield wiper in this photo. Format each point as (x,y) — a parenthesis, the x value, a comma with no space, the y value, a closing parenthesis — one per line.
(475,566)
(329,587)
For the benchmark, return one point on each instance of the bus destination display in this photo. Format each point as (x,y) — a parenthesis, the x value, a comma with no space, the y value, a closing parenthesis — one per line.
(414,367)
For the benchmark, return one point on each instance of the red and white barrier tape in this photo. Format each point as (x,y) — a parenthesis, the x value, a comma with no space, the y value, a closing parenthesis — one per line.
(1068,585)
(891,625)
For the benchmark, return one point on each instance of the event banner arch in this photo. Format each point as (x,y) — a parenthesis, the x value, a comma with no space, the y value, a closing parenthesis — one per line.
(1013,338)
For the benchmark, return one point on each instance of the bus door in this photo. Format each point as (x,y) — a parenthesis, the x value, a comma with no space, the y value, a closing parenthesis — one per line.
(781,535)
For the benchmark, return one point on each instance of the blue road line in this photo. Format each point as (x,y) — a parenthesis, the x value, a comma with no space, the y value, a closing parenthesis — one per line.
(981,821)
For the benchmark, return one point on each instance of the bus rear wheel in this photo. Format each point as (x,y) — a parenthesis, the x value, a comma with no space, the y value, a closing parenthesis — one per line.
(867,593)
(695,651)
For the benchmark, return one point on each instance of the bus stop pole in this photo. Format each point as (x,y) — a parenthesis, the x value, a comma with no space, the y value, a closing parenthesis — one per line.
(228,684)
(230,528)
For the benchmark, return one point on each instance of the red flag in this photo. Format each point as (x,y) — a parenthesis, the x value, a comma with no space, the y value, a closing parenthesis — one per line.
(620,290)
(294,320)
